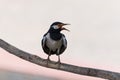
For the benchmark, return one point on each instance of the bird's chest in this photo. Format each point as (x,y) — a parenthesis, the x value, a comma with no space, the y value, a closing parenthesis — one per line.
(53,44)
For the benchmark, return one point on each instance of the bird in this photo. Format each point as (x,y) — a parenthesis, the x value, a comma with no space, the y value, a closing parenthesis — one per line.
(54,42)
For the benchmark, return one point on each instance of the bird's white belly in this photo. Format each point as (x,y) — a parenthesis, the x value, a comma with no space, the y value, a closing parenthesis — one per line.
(52,44)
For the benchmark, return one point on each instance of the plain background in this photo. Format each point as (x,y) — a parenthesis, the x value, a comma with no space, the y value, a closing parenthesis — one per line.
(93,40)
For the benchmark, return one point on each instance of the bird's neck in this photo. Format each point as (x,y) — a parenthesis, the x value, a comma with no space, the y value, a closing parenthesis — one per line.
(56,36)
(51,30)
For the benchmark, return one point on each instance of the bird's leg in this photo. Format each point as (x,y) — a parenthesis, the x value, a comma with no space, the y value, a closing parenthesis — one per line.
(59,59)
(48,59)
(58,51)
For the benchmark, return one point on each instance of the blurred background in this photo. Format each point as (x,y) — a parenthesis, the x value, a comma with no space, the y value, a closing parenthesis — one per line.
(93,40)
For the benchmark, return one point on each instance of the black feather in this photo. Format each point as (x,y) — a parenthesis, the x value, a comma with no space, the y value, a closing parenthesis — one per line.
(47,50)
(59,41)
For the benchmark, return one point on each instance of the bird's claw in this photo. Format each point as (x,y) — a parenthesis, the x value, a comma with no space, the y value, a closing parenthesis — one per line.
(48,60)
(58,63)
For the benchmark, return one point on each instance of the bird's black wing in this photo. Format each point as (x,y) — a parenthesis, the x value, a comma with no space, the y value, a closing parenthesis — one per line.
(64,44)
(43,43)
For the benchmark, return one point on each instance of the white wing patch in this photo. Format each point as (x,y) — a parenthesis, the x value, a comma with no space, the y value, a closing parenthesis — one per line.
(64,41)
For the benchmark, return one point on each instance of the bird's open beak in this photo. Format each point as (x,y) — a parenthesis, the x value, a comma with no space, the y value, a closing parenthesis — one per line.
(64,28)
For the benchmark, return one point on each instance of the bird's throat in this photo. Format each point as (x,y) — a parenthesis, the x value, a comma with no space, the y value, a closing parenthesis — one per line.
(56,36)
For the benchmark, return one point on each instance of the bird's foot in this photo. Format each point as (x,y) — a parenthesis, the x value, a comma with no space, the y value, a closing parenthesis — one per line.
(58,63)
(48,60)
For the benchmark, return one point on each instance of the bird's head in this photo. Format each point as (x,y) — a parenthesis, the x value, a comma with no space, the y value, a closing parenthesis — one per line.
(58,26)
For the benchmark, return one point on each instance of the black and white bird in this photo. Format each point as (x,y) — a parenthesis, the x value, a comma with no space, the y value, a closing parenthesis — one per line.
(54,42)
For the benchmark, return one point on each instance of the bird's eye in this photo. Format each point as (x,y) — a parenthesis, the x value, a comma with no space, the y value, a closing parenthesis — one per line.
(56,27)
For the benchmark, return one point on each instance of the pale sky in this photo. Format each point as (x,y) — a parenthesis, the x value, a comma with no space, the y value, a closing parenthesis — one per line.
(93,40)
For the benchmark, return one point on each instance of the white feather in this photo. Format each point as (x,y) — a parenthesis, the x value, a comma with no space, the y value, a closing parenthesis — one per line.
(64,41)
(55,27)
(52,44)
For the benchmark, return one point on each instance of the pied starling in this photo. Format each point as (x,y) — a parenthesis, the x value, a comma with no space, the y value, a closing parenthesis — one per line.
(54,42)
